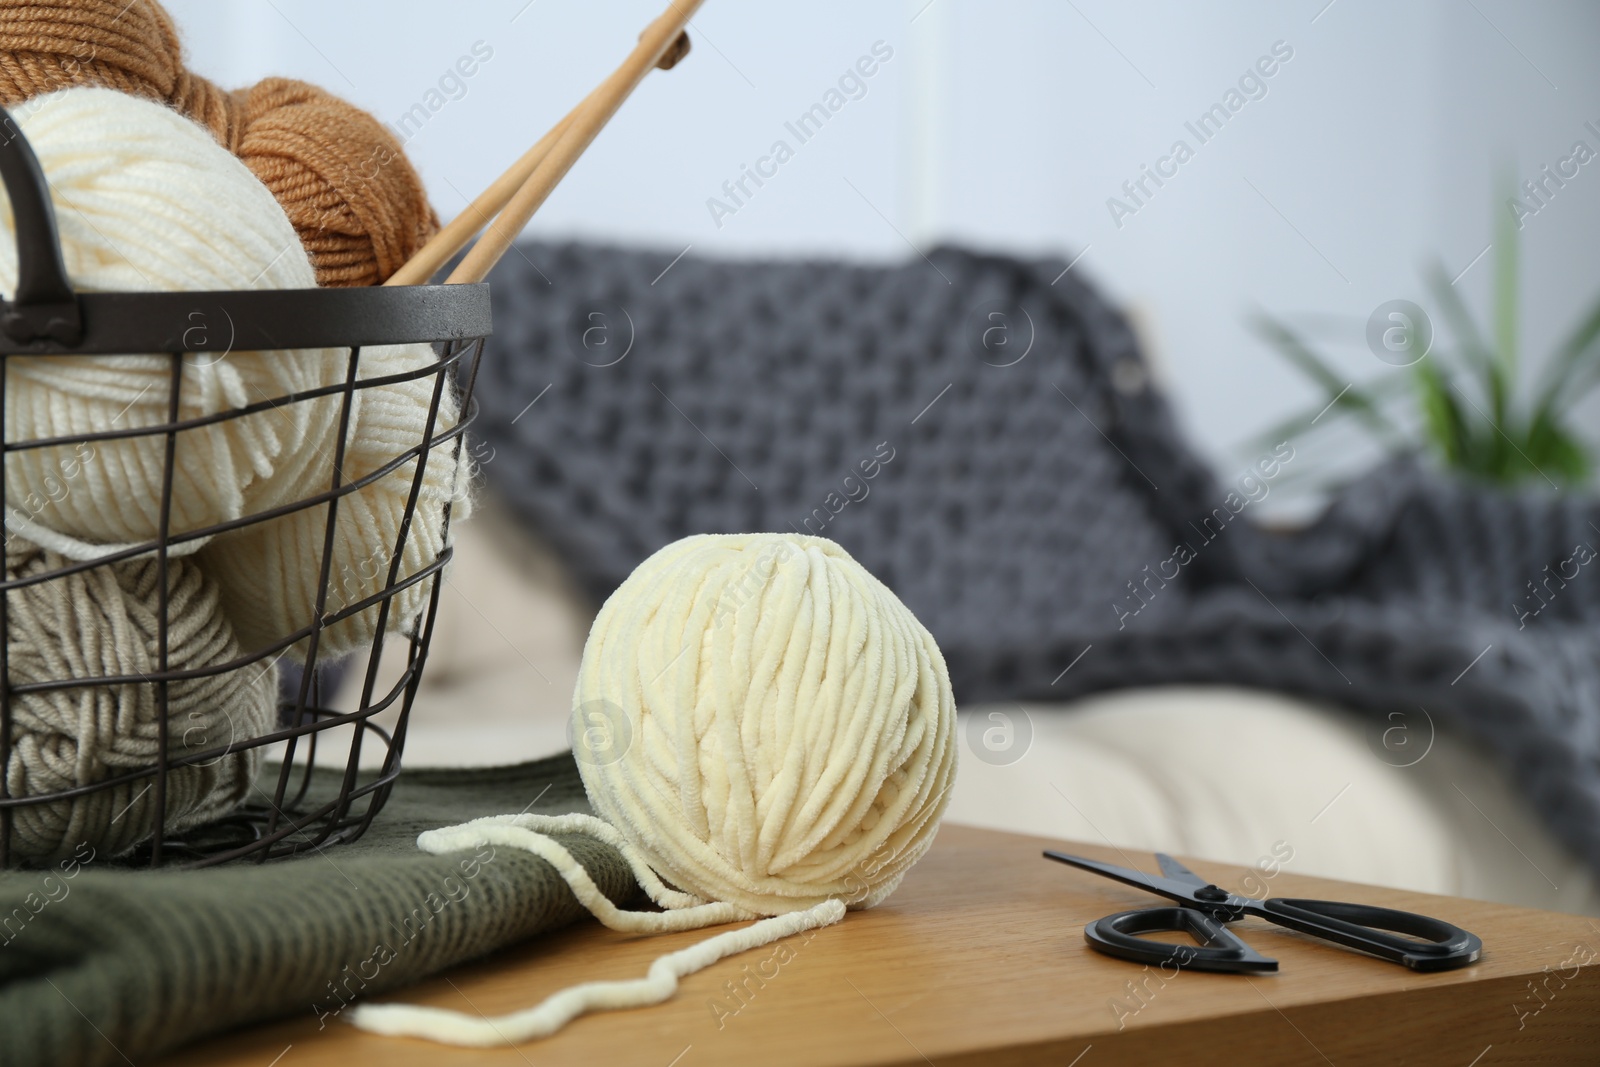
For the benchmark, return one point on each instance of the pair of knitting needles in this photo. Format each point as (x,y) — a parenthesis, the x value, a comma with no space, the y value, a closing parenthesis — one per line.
(505,207)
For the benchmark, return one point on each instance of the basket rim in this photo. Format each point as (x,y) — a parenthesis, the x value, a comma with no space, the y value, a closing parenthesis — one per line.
(47,315)
(265,320)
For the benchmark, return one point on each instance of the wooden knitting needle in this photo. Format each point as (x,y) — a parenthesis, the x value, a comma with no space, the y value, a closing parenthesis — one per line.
(659,40)
(454,236)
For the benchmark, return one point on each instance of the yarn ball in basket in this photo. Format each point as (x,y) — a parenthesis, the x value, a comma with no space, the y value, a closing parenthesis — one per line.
(343,179)
(270,572)
(341,176)
(146,200)
(103,622)
(766,722)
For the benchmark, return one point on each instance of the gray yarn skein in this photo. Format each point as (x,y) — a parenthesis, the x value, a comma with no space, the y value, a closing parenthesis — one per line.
(102,622)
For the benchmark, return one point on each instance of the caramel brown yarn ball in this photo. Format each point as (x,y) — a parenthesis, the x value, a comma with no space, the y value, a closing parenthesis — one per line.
(339,174)
(56,44)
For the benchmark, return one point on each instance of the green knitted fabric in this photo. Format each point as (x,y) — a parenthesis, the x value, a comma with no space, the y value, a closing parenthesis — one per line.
(111,966)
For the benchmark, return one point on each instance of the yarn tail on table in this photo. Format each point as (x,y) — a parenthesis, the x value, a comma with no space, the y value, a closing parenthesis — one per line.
(684,911)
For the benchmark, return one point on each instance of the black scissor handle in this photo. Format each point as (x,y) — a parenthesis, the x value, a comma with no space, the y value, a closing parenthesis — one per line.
(1443,946)
(1216,949)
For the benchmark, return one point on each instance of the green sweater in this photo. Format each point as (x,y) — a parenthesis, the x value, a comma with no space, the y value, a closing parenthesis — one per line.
(100,965)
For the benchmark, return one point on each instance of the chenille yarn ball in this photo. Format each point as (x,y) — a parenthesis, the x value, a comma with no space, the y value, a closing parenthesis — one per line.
(146,200)
(783,725)
(102,622)
(270,572)
(763,729)
(341,176)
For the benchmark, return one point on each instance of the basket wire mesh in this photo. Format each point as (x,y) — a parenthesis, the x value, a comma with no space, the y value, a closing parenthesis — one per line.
(290,809)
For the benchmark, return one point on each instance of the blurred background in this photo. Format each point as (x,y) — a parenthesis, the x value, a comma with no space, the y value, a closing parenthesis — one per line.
(1241,178)
(1370,152)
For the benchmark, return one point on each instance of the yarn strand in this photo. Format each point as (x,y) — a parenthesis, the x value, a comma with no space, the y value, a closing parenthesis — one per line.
(530,833)
(555,1011)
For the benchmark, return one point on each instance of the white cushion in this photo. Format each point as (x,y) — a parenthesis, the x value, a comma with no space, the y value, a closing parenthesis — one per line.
(1258,778)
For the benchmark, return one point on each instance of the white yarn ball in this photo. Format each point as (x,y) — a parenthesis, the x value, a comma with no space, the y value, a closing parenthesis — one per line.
(782,730)
(270,572)
(145,199)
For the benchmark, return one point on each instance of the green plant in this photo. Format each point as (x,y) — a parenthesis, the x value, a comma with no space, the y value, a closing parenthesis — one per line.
(1467,407)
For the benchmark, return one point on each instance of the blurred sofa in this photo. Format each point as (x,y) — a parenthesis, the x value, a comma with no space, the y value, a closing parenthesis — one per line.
(1135,659)
(1244,776)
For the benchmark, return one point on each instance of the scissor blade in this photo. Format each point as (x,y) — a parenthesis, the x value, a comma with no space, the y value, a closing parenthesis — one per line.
(1177,871)
(1163,887)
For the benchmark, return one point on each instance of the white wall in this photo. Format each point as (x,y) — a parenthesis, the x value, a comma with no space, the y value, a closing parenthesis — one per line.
(1007,124)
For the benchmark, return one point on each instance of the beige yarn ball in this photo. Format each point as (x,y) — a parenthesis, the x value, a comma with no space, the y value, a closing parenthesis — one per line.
(269,572)
(104,622)
(145,199)
(784,725)
(764,730)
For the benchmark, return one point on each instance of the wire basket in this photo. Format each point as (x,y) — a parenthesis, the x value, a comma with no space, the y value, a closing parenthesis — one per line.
(289,810)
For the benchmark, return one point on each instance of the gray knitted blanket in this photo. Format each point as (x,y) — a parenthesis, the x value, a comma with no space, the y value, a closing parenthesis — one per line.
(981,433)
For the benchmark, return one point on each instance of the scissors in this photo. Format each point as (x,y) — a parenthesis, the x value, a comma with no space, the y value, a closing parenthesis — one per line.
(1417,941)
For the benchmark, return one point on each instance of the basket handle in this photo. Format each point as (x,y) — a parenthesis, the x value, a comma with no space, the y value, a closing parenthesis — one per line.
(44,307)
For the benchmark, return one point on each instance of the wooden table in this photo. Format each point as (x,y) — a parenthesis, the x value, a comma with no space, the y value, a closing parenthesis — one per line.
(980,958)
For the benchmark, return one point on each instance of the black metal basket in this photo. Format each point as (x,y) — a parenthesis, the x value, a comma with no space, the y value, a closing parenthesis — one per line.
(299,810)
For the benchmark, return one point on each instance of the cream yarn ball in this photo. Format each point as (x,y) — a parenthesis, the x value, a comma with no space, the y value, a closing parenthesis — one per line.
(764,730)
(270,572)
(103,622)
(147,200)
(784,725)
